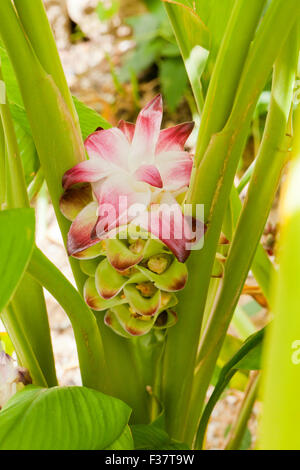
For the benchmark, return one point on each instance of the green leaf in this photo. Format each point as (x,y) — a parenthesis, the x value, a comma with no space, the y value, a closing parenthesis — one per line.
(6,344)
(204,23)
(144,27)
(279,427)
(16,244)
(29,156)
(170,50)
(89,119)
(215,15)
(247,356)
(152,437)
(195,29)
(246,441)
(174,81)
(124,442)
(107,12)
(140,58)
(22,128)
(252,360)
(63,418)
(11,83)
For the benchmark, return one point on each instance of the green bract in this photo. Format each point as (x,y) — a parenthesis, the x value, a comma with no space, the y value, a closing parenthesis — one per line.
(133,282)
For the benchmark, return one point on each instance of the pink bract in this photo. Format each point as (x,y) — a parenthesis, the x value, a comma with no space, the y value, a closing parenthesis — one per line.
(132,166)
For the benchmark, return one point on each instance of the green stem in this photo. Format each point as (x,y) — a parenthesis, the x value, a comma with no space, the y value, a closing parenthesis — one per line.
(57,139)
(214,398)
(224,81)
(88,339)
(226,373)
(183,338)
(279,423)
(32,314)
(252,219)
(30,309)
(36,185)
(36,25)
(2,168)
(242,323)
(58,142)
(262,268)
(127,381)
(246,177)
(239,427)
(15,167)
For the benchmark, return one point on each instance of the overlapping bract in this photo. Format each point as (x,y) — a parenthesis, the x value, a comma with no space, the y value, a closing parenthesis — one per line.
(127,225)
(134,281)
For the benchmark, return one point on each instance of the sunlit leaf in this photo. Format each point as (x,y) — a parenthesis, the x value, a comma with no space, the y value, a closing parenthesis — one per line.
(64,418)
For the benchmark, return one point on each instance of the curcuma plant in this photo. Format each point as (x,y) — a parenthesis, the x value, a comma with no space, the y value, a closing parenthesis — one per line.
(128,193)
(155,296)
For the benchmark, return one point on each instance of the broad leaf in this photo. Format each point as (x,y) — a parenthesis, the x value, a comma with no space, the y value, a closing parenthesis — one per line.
(173,80)
(247,357)
(28,152)
(63,418)
(124,442)
(89,119)
(16,244)
(252,360)
(153,437)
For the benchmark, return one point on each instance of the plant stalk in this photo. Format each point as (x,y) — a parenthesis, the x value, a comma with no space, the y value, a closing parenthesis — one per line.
(182,342)
(253,217)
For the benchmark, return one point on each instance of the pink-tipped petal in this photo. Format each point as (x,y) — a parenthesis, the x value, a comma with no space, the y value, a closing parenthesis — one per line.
(175,168)
(120,200)
(167,222)
(174,137)
(79,236)
(149,174)
(110,145)
(87,172)
(146,133)
(127,128)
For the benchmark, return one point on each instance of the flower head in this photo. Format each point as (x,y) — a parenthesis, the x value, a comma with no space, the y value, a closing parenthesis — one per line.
(135,172)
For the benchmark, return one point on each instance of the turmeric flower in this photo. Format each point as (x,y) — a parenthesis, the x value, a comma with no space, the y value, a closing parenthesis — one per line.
(135,172)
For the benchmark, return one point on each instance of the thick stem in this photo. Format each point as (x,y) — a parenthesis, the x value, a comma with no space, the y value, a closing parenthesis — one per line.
(36,25)
(251,222)
(225,376)
(56,136)
(182,342)
(126,380)
(88,339)
(22,346)
(224,81)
